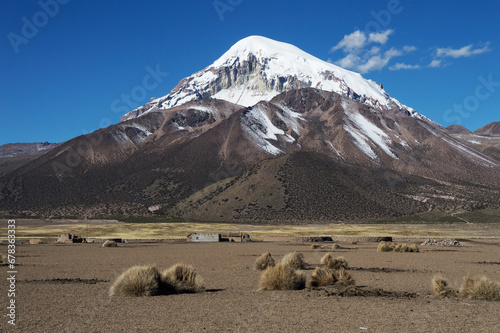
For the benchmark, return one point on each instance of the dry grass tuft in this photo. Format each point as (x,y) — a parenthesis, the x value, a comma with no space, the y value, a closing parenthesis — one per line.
(335,246)
(322,277)
(137,281)
(182,278)
(341,263)
(109,243)
(294,260)
(327,258)
(481,288)
(264,261)
(301,279)
(282,277)
(440,287)
(338,263)
(315,246)
(384,247)
(3,259)
(344,278)
(414,248)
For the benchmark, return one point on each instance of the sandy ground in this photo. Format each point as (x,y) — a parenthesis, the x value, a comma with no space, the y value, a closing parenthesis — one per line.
(64,287)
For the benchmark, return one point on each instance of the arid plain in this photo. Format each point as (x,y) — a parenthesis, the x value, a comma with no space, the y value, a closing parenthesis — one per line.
(64,287)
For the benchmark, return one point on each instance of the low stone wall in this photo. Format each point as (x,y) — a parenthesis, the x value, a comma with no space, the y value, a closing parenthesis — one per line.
(362,239)
(313,239)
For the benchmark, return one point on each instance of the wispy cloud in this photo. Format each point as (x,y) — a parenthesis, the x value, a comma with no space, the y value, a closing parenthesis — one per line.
(436,63)
(402,65)
(351,43)
(369,52)
(466,51)
(381,37)
(364,53)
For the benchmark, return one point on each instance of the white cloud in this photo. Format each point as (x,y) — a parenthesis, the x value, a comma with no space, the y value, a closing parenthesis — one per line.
(393,53)
(373,63)
(409,48)
(352,42)
(381,37)
(368,52)
(374,50)
(435,63)
(349,61)
(360,56)
(402,65)
(466,51)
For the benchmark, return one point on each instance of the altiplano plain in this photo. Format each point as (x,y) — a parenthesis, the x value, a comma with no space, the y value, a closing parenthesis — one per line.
(64,287)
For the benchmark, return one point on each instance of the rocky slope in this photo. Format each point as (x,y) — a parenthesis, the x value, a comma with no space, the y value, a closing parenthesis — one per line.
(306,155)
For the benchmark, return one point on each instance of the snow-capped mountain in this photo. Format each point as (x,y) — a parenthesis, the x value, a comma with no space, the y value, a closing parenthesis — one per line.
(258,69)
(266,133)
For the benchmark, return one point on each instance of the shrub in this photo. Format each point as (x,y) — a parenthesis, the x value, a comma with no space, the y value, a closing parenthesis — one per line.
(481,288)
(294,260)
(329,262)
(414,248)
(341,263)
(344,278)
(181,278)
(264,261)
(440,286)
(327,258)
(301,279)
(322,277)
(109,243)
(137,281)
(384,247)
(282,277)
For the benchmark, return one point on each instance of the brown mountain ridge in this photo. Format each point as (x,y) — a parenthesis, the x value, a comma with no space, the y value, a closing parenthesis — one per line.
(307,155)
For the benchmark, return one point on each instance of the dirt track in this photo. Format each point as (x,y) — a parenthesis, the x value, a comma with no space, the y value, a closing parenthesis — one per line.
(64,288)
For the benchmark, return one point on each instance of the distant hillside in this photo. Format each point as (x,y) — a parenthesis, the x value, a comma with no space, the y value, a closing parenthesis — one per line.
(15,155)
(22,149)
(492,129)
(457,129)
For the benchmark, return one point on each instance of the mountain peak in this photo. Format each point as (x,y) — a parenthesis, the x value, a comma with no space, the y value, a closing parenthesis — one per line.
(261,46)
(257,69)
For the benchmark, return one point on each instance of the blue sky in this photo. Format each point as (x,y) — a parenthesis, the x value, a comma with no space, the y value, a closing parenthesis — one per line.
(65,64)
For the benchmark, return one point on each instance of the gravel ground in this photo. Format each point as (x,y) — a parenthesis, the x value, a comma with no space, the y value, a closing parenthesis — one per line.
(64,288)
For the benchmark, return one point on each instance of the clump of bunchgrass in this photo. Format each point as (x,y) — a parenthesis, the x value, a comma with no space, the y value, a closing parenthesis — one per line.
(109,243)
(414,248)
(344,278)
(386,247)
(182,278)
(335,246)
(440,286)
(322,277)
(315,246)
(282,277)
(137,281)
(264,261)
(295,260)
(332,263)
(383,246)
(4,260)
(480,288)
